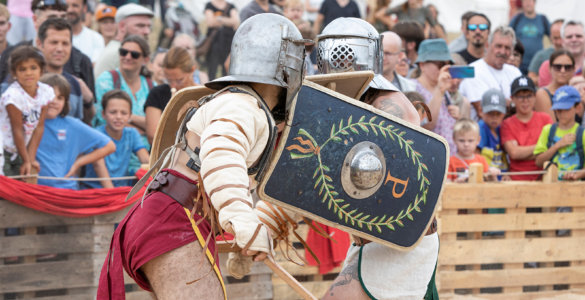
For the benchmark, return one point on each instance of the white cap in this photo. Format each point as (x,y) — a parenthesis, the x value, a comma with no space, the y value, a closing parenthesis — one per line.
(132,9)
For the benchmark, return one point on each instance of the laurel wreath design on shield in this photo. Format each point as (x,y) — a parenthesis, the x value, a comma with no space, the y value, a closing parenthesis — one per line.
(309,147)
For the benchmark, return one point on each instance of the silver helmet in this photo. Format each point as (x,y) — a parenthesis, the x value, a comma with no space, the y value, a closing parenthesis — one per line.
(352,44)
(266,48)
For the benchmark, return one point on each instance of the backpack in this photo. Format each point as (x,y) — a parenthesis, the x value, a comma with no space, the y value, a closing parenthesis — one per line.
(578,140)
(117,84)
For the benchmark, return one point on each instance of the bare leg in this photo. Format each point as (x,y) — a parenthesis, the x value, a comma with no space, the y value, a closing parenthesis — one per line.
(347,284)
(169,273)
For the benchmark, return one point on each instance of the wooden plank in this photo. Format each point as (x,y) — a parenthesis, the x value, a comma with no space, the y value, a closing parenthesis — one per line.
(513,195)
(578,234)
(548,295)
(513,277)
(14,215)
(22,245)
(445,238)
(512,251)
(46,276)
(284,292)
(512,221)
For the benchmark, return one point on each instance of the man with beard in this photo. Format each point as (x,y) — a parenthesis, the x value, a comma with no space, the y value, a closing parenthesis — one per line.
(86,40)
(492,71)
(477,32)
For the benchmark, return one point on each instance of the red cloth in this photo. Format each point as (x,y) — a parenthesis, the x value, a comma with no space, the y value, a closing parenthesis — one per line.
(526,134)
(157,226)
(66,202)
(330,254)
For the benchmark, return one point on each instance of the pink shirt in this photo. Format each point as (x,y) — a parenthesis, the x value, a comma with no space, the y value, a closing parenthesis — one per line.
(20,8)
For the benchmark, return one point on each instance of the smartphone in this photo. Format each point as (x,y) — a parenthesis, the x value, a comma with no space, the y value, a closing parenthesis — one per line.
(462,71)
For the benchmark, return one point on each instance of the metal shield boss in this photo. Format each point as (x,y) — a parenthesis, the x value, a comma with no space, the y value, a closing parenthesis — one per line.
(351,166)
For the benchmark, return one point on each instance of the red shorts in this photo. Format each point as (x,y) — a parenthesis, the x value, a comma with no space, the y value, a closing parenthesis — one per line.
(156,226)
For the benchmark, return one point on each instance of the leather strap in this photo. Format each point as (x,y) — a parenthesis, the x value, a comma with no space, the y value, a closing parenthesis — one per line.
(181,190)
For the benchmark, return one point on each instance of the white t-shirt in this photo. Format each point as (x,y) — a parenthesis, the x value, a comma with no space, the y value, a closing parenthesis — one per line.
(486,78)
(90,43)
(30,108)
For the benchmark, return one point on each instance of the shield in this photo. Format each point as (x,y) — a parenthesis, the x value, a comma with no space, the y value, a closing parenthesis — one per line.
(172,117)
(357,168)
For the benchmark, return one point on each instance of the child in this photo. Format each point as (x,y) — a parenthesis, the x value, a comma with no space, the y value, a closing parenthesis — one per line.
(293,10)
(23,108)
(466,138)
(68,144)
(117,109)
(493,104)
(417,100)
(562,142)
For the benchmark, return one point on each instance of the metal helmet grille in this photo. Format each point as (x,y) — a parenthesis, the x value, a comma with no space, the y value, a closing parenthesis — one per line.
(342,57)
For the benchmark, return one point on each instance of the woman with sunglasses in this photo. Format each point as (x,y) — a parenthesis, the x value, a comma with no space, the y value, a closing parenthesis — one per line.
(178,67)
(562,68)
(132,77)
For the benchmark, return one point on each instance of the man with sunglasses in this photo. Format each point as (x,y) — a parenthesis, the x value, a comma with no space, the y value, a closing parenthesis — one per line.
(132,19)
(492,71)
(476,32)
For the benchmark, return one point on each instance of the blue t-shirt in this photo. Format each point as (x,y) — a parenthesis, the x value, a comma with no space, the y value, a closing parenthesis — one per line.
(530,32)
(64,139)
(118,162)
(75,97)
(491,148)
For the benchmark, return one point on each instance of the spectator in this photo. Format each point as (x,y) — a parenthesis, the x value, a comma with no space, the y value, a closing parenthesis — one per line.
(562,142)
(312,10)
(573,35)
(477,33)
(21,18)
(255,7)
(530,28)
(307,33)
(520,131)
(86,40)
(378,18)
(23,108)
(333,9)
(4,27)
(491,71)
(563,66)
(460,43)
(412,35)
(413,10)
(454,95)
(116,110)
(132,77)
(178,67)
(132,19)
(515,58)
(68,144)
(106,23)
(222,21)
(430,31)
(578,83)
(417,99)
(186,42)
(178,20)
(433,83)
(54,41)
(293,10)
(393,54)
(466,136)
(493,104)
(155,66)
(78,64)
(544,54)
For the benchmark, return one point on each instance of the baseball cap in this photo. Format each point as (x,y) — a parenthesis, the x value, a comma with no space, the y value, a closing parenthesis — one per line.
(523,83)
(132,9)
(106,12)
(493,100)
(565,97)
(433,50)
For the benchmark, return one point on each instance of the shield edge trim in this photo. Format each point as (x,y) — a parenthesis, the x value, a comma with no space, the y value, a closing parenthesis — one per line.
(280,149)
(327,79)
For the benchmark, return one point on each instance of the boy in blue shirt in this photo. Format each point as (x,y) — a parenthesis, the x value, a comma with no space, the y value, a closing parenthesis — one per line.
(493,104)
(117,110)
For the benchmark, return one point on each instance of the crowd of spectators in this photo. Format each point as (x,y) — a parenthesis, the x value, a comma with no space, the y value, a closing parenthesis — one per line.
(83,85)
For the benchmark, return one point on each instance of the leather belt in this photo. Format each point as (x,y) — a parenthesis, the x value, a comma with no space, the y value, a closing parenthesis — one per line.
(361,241)
(180,189)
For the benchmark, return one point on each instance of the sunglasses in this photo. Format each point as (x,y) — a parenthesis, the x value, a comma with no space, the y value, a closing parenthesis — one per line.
(559,67)
(54,4)
(134,54)
(473,27)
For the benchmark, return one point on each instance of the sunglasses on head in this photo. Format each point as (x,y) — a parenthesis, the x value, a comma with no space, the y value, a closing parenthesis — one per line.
(559,67)
(134,54)
(473,27)
(54,4)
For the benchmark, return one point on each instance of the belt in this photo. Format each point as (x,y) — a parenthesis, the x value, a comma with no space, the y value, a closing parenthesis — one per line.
(361,241)
(181,190)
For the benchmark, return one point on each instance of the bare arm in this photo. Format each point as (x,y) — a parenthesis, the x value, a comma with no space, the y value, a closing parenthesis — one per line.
(152,116)
(543,103)
(477,106)
(91,157)
(143,156)
(101,170)
(518,152)
(15,116)
(443,85)
(35,140)
(318,23)
(138,122)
